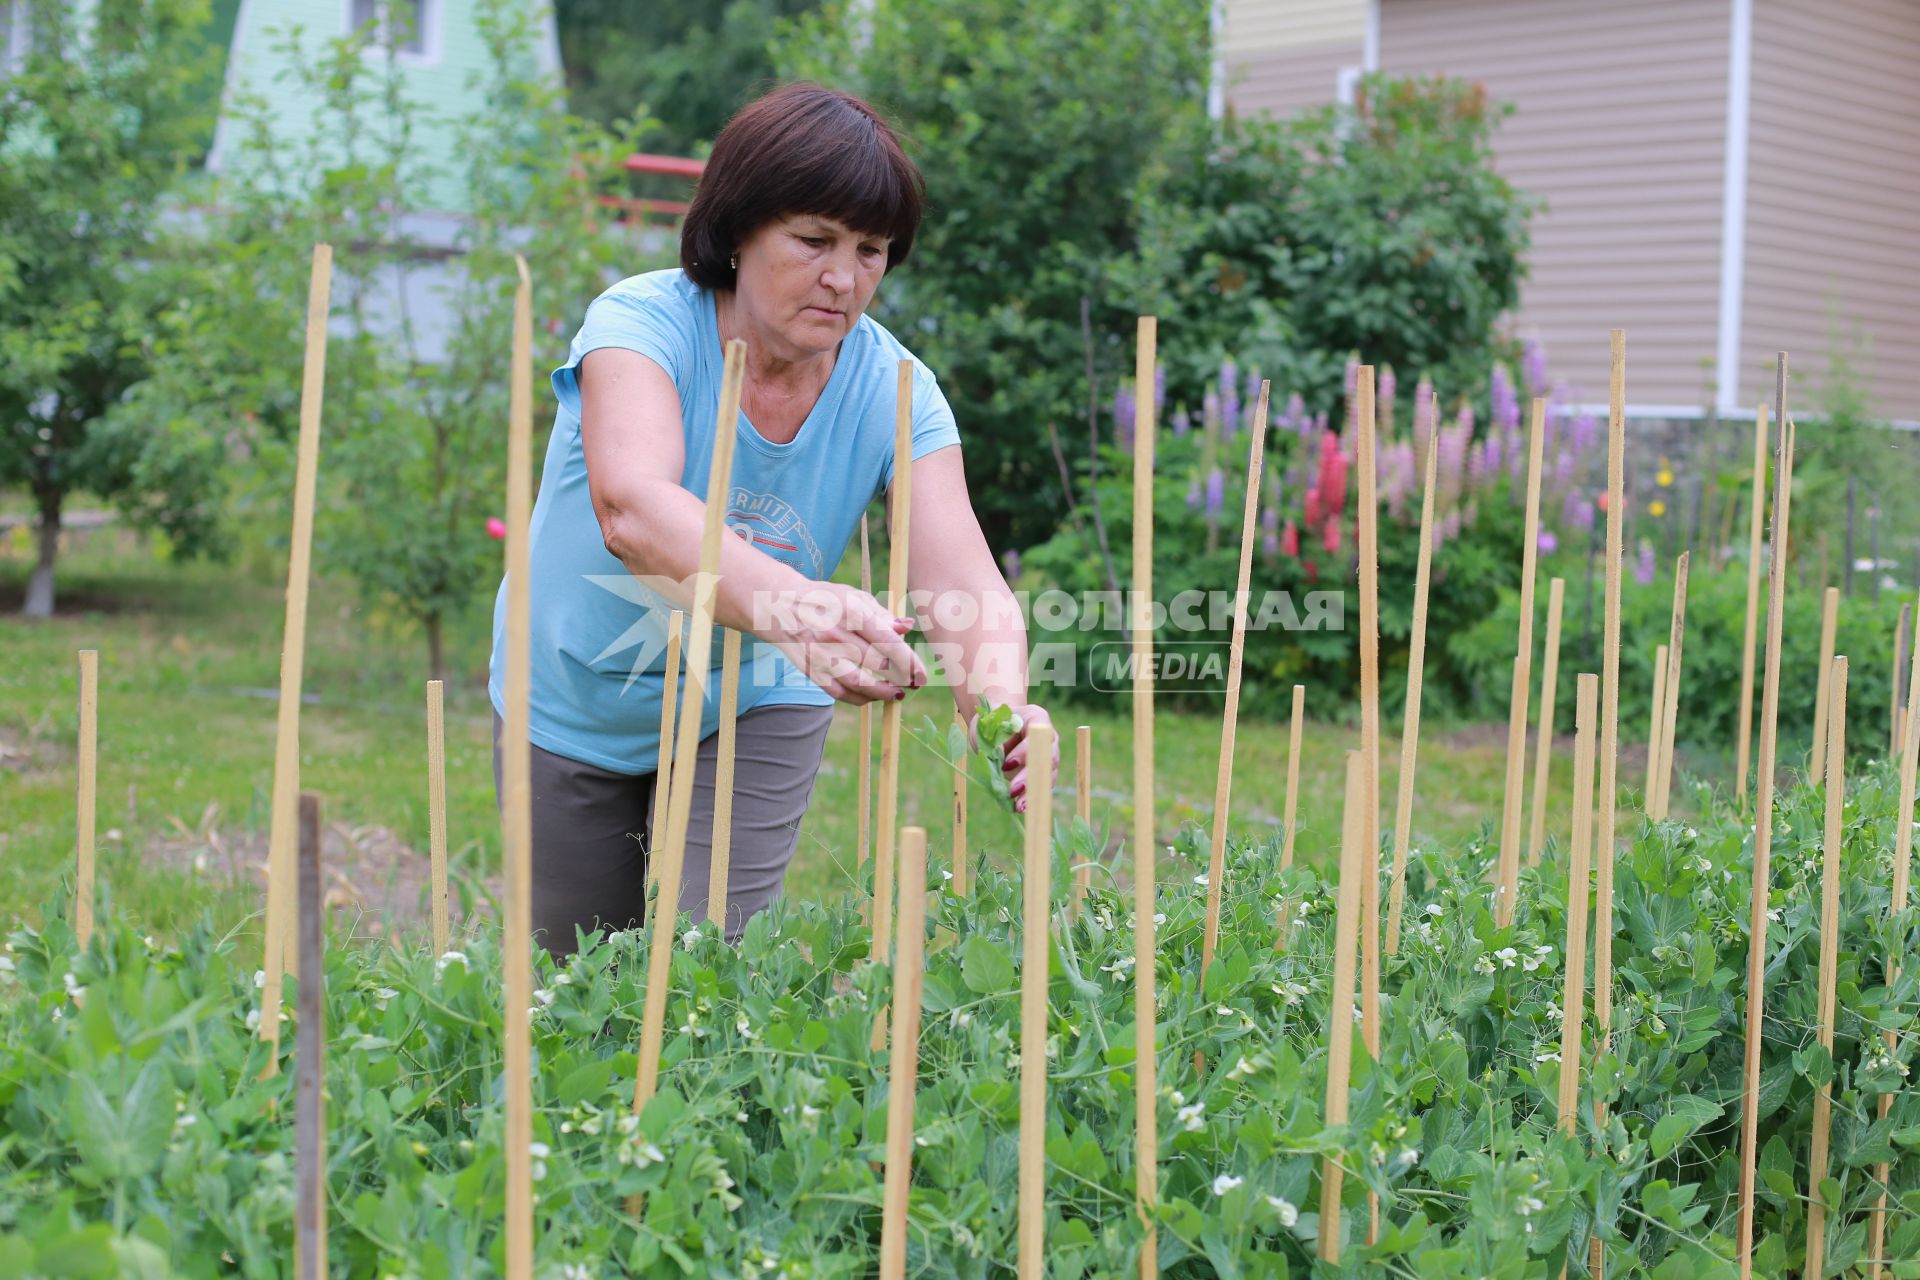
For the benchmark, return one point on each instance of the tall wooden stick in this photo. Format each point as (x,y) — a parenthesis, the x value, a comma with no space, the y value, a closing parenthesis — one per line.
(1543,744)
(1670,711)
(962,875)
(899,506)
(437,811)
(1763,822)
(84,803)
(309,1071)
(903,1060)
(1035,946)
(1082,806)
(1755,516)
(863,835)
(1579,860)
(1346,929)
(663,765)
(699,648)
(720,867)
(516,770)
(1368,522)
(1656,714)
(1146,1087)
(282,834)
(1292,805)
(1223,781)
(1902,874)
(1510,812)
(1609,764)
(1829,617)
(1416,673)
(1836,762)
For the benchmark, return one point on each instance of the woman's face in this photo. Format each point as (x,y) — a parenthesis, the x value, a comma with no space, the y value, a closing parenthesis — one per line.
(804,279)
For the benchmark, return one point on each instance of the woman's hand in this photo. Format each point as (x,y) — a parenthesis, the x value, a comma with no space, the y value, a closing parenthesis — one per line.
(850,645)
(1013,761)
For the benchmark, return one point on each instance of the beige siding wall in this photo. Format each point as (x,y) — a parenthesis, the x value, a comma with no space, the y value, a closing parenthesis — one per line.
(1619,115)
(1833,195)
(1285,56)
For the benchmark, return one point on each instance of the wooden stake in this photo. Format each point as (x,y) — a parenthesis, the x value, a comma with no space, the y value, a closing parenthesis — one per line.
(863,835)
(1368,521)
(1035,947)
(1656,713)
(1543,736)
(293,648)
(1146,1088)
(1082,807)
(721,864)
(516,771)
(1609,763)
(663,762)
(1670,711)
(1287,814)
(1763,822)
(1416,673)
(1510,812)
(1346,929)
(85,805)
(1829,617)
(1223,781)
(1755,515)
(699,649)
(1836,762)
(309,1071)
(903,1061)
(898,507)
(1902,874)
(962,876)
(1580,857)
(437,811)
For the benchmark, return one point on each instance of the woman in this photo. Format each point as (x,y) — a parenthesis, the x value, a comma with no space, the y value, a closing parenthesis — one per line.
(807,201)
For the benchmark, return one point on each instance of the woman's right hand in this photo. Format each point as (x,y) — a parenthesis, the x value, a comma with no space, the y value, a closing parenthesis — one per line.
(850,645)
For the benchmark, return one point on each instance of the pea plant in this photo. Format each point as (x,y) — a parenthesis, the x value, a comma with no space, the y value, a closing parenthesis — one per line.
(140,1135)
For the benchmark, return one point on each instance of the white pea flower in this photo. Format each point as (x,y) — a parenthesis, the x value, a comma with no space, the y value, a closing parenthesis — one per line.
(537,1168)
(574,1271)
(1435,910)
(1192,1117)
(381,995)
(259,979)
(1201,880)
(1225,1183)
(1287,1211)
(1483,965)
(1240,1070)
(1507,957)
(447,958)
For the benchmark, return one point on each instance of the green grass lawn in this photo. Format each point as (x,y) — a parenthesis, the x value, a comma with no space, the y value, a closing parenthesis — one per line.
(189,660)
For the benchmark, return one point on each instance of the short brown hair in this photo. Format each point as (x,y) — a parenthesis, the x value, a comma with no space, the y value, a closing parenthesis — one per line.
(802,148)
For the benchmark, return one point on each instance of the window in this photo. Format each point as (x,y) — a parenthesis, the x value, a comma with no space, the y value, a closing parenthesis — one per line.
(403,27)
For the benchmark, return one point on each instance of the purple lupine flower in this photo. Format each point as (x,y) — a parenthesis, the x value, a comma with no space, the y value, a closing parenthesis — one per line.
(1548,543)
(1294,415)
(1010,561)
(1384,392)
(1216,492)
(1159,387)
(1210,413)
(1576,512)
(1504,404)
(1490,463)
(1270,520)
(1353,375)
(1643,568)
(1181,423)
(1250,394)
(1586,429)
(1450,527)
(1533,366)
(1563,469)
(1124,410)
(1193,492)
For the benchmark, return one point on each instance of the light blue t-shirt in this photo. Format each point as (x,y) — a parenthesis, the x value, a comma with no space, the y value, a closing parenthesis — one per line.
(598,648)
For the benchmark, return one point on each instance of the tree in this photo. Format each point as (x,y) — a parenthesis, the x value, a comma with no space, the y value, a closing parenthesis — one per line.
(416,437)
(688,63)
(1038,125)
(97,128)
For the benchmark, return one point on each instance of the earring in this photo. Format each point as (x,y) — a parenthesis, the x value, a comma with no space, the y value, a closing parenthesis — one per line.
(734,261)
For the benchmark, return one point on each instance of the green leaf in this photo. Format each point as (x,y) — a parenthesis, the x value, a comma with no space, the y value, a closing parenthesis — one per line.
(985,966)
(583,1082)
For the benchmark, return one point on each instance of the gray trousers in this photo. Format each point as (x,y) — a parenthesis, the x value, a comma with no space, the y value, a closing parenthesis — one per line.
(590,844)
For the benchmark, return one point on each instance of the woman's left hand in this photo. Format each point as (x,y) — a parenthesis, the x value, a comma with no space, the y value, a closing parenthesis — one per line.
(1014,760)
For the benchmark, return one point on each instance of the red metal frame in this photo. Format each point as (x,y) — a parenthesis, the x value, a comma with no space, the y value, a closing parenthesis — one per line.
(662,166)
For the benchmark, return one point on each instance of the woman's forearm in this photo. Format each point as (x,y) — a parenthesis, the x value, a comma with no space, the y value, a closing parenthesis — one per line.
(979,641)
(662,548)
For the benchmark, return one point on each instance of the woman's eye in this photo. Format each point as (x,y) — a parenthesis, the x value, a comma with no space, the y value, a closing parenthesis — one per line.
(871,250)
(814,242)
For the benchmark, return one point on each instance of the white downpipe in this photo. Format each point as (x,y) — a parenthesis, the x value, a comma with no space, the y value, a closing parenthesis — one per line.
(1217,65)
(1733,206)
(1370,42)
